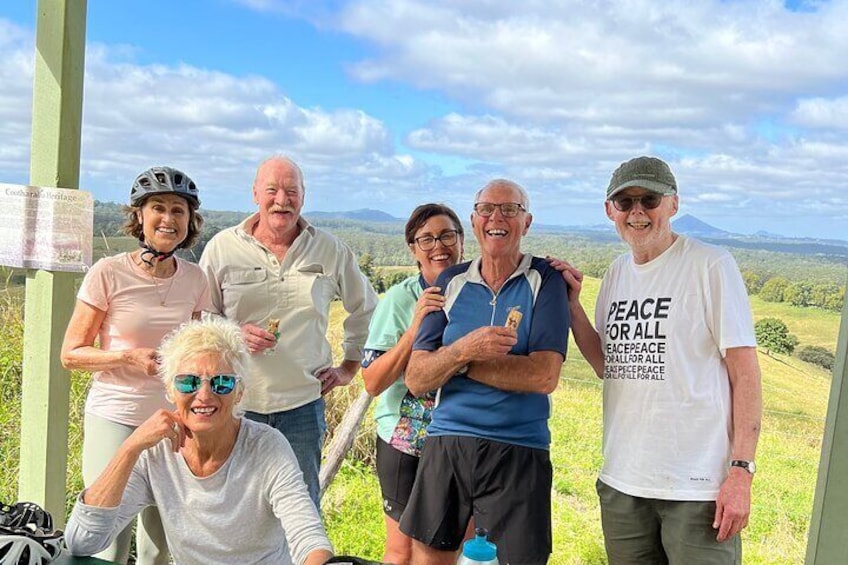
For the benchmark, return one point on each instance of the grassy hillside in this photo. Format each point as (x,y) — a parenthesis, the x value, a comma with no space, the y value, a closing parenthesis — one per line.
(795,398)
(795,395)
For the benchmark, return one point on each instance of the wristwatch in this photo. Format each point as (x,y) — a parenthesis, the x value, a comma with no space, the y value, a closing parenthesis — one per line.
(749,466)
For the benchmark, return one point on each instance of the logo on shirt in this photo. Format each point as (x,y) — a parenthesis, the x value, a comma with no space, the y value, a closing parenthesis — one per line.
(636,339)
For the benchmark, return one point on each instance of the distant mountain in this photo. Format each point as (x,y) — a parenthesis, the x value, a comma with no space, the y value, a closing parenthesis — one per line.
(108,220)
(690,225)
(361,215)
(767,235)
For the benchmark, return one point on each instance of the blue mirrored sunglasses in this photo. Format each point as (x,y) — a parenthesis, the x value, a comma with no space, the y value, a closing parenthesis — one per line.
(221,384)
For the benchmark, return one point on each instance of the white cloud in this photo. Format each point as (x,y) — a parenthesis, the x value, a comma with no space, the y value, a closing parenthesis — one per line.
(216,126)
(491,138)
(629,61)
(822,113)
(723,90)
(16,75)
(746,100)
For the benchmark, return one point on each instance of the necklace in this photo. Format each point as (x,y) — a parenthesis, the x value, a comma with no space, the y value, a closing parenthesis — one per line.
(162,299)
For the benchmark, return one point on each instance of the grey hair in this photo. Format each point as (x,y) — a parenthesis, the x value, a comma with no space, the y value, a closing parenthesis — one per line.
(282,159)
(212,334)
(525,199)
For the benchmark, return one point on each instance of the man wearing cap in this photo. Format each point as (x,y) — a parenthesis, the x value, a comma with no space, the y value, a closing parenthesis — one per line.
(675,348)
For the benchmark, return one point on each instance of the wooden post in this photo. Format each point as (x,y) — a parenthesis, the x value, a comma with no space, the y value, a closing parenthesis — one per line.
(343,438)
(827,542)
(56,124)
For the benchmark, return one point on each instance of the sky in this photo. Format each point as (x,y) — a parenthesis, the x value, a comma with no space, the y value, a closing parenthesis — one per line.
(388,104)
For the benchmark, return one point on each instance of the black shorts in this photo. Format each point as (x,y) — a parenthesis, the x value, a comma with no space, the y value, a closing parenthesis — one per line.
(396,471)
(506,487)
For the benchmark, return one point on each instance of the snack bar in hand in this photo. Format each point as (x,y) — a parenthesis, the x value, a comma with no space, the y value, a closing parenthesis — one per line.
(514,318)
(274,327)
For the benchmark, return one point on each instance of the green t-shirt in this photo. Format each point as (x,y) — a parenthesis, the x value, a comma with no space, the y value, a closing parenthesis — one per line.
(402,419)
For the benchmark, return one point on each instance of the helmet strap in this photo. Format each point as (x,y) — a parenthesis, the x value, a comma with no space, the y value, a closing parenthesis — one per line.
(149,255)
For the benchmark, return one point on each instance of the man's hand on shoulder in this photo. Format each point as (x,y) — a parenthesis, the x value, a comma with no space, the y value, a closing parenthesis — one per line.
(733,505)
(573,277)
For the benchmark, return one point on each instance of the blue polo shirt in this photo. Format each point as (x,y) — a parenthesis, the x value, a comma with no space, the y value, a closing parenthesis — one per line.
(466,407)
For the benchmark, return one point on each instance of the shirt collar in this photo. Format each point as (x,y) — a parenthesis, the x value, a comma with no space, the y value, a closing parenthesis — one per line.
(475,276)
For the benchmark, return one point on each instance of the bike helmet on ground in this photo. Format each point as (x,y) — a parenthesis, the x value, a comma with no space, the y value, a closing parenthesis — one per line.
(163,180)
(352,560)
(27,536)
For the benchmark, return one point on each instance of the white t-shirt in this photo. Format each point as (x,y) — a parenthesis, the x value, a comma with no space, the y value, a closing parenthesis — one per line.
(135,317)
(665,327)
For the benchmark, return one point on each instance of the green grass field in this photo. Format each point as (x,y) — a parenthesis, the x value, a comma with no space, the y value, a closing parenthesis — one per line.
(795,398)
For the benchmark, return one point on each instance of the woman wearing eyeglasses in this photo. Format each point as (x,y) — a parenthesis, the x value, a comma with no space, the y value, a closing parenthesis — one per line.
(229,489)
(128,302)
(434,236)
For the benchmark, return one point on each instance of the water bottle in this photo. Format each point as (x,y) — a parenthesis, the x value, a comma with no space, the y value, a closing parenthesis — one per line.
(479,551)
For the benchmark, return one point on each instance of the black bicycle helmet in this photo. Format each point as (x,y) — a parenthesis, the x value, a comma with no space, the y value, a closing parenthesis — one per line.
(159,180)
(27,536)
(352,560)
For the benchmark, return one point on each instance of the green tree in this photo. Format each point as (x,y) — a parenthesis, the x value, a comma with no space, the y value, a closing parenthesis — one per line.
(773,334)
(774,289)
(828,296)
(753,282)
(392,279)
(595,267)
(799,294)
(374,275)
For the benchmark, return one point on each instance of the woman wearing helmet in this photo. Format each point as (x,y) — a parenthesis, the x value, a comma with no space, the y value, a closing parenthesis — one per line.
(129,302)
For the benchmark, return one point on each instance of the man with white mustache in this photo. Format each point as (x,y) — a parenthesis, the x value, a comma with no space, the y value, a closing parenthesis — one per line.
(276,266)
(675,348)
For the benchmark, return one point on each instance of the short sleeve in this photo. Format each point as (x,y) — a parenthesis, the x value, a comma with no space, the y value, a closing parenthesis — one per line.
(97,285)
(392,316)
(730,320)
(551,315)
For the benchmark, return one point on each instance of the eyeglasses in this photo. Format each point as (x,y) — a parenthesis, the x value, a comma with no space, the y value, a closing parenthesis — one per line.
(508,209)
(221,384)
(625,203)
(428,242)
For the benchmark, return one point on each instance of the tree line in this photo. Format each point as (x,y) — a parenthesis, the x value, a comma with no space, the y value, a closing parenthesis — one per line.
(802,293)
(800,280)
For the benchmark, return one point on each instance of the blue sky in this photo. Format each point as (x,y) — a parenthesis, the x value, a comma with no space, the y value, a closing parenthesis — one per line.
(390,103)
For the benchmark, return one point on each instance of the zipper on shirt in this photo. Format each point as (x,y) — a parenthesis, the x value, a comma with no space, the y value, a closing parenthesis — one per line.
(494,301)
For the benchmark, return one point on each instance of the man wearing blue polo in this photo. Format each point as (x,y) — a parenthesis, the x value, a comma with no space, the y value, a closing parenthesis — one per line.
(487,452)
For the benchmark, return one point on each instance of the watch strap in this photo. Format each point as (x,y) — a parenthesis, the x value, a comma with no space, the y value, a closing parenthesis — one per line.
(749,466)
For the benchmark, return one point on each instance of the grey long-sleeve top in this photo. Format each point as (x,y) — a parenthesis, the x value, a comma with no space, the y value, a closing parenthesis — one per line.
(254,509)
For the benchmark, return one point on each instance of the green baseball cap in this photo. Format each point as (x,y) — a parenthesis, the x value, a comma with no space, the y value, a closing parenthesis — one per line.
(649,173)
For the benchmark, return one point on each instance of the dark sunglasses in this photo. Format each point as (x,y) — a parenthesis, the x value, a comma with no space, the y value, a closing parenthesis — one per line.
(221,384)
(649,201)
